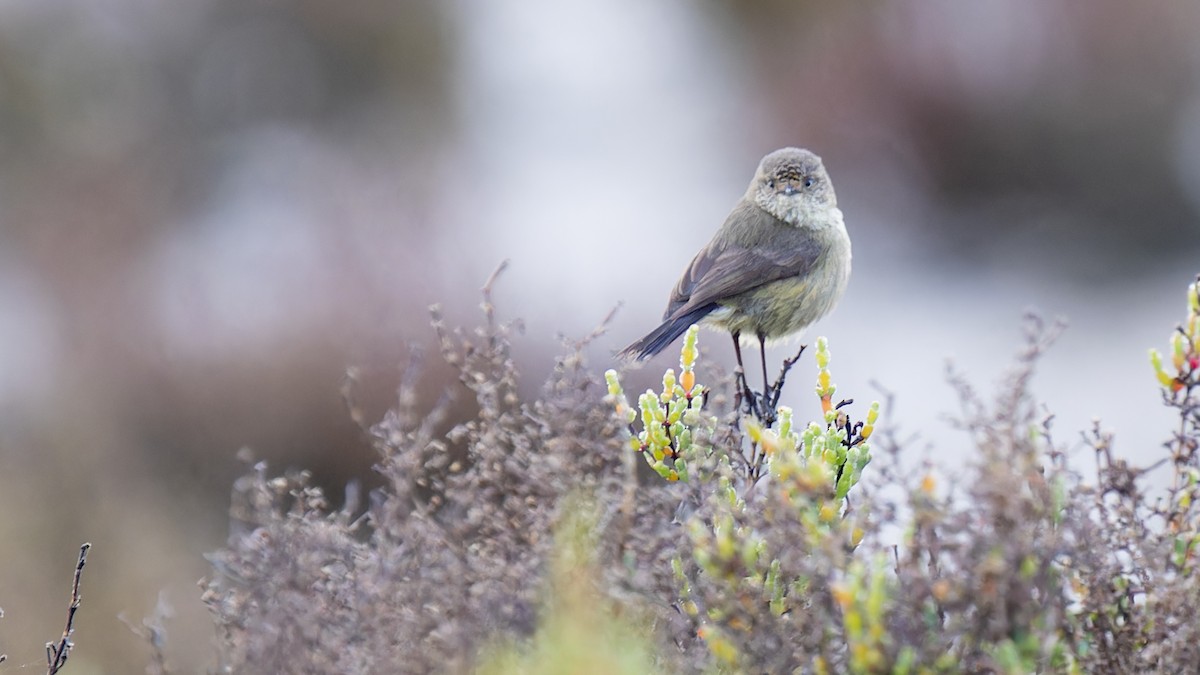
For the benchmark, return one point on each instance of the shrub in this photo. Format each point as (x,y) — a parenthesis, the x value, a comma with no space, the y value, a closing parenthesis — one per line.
(580,533)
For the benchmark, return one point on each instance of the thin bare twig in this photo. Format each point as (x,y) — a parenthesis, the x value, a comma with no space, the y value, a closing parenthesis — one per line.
(772,395)
(57,652)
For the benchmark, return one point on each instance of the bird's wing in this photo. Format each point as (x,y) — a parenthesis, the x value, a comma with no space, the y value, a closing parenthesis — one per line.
(721,271)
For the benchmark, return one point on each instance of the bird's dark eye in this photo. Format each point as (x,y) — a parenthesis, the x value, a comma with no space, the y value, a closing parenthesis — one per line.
(771,183)
(809,181)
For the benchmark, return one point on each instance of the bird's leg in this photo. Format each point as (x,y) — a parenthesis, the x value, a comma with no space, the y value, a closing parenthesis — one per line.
(744,395)
(738,373)
(768,409)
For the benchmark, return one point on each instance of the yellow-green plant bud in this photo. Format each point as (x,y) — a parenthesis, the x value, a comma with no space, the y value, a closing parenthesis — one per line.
(822,352)
(668,390)
(687,356)
(809,438)
(825,385)
(754,431)
(681,470)
(869,424)
(1164,378)
(676,409)
(785,421)
(1156,362)
(647,404)
(614,384)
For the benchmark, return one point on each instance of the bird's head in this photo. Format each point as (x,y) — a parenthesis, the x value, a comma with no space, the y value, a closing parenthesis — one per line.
(792,185)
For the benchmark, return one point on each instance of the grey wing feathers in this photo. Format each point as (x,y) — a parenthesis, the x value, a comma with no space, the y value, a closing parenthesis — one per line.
(686,286)
(722,272)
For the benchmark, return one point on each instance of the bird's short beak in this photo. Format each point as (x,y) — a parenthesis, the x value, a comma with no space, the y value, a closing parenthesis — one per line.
(788,189)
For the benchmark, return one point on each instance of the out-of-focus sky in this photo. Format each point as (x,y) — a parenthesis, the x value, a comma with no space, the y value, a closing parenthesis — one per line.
(210,209)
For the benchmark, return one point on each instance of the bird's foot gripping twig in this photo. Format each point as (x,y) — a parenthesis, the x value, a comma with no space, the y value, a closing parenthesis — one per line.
(767,414)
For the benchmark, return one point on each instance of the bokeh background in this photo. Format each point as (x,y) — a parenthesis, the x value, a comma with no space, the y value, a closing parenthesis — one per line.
(210,209)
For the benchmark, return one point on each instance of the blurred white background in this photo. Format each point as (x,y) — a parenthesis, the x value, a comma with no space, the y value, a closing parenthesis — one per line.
(209,210)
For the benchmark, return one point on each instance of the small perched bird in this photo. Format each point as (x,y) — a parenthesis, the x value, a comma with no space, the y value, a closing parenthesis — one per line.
(779,263)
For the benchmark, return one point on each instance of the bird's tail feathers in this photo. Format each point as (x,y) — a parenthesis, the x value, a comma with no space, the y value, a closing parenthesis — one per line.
(664,335)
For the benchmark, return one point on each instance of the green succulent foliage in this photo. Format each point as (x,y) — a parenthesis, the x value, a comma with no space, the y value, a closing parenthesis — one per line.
(672,420)
(736,557)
